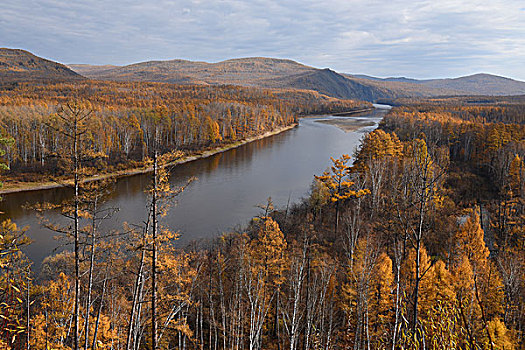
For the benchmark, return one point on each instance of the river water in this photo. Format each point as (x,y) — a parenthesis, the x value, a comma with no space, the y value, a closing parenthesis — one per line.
(228,188)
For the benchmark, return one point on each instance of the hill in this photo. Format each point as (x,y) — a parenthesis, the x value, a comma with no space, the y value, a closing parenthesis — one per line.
(22,66)
(395,79)
(88,69)
(255,71)
(245,71)
(400,87)
(480,84)
(283,73)
(330,83)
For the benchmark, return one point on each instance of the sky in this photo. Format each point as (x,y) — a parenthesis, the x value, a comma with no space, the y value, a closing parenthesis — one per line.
(411,38)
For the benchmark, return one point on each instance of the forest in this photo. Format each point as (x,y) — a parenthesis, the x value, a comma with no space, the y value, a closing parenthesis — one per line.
(126,117)
(416,241)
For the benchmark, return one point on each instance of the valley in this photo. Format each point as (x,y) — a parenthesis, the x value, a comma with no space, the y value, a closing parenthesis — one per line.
(258,203)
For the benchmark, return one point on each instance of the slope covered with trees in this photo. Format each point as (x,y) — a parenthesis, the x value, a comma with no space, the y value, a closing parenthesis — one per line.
(21,66)
(282,73)
(255,71)
(126,118)
(476,84)
(418,245)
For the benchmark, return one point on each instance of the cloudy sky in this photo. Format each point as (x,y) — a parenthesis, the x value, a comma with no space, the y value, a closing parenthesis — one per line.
(420,39)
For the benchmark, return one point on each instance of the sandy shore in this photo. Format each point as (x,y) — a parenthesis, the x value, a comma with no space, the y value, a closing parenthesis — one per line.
(341,114)
(12,187)
(348,125)
(357,111)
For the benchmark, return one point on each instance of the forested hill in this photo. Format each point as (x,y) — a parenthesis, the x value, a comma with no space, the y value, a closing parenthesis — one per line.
(283,73)
(476,84)
(22,66)
(420,241)
(246,71)
(254,71)
(480,84)
(127,117)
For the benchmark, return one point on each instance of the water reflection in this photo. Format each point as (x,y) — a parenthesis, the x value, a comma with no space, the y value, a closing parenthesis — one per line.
(229,185)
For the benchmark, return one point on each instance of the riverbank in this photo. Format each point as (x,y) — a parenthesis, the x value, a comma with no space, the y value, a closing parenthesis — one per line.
(340,114)
(19,186)
(348,125)
(345,114)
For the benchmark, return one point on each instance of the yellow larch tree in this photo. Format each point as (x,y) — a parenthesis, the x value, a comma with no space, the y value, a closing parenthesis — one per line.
(13,283)
(381,301)
(500,335)
(487,283)
(338,184)
(367,296)
(378,145)
(264,274)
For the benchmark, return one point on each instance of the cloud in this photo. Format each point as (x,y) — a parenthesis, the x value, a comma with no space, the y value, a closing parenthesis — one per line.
(428,38)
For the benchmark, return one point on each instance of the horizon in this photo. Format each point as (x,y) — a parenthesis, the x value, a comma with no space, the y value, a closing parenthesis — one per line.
(421,40)
(280,58)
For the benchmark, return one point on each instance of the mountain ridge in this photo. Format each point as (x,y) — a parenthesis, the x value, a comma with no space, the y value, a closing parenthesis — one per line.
(473,84)
(285,73)
(18,65)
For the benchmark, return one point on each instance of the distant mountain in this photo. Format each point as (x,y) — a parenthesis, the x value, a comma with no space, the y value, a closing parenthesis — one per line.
(283,73)
(244,71)
(330,83)
(87,69)
(396,79)
(479,84)
(398,87)
(402,80)
(22,66)
(255,71)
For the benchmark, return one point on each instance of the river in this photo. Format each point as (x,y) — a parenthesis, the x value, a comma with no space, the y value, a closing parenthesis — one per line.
(228,188)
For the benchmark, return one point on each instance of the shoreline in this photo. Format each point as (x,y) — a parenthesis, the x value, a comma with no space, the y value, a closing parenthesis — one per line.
(39,186)
(344,114)
(340,114)
(348,125)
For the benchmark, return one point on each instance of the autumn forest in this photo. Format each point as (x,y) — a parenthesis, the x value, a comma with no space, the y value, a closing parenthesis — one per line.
(414,241)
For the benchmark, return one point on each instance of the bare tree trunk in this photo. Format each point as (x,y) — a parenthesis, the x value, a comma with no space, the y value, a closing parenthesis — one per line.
(154,258)
(223,307)
(137,330)
(307,294)
(423,199)
(212,328)
(90,277)
(28,306)
(483,314)
(73,116)
(297,278)
(76,235)
(136,295)
(47,339)
(97,322)
(397,253)
(416,287)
